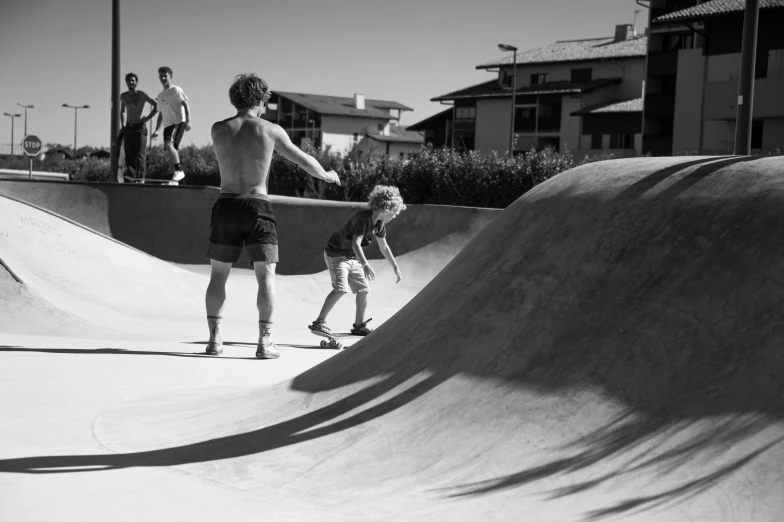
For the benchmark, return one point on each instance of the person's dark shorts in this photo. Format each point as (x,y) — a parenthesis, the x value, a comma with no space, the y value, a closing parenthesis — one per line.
(174,134)
(243,220)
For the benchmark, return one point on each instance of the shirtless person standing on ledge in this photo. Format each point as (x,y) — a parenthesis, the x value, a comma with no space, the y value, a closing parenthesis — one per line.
(243,215)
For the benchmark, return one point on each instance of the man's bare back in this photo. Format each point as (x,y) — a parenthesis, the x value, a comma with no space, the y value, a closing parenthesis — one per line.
(244,145)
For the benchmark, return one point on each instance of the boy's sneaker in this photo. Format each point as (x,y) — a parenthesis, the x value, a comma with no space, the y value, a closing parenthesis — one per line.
(267,351)
(320,326)
(178,175)
(361,329)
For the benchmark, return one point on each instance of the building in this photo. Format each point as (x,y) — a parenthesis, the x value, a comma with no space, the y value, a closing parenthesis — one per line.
(331,121)
(691,87)
(585,95)
(393,140)
(436,130)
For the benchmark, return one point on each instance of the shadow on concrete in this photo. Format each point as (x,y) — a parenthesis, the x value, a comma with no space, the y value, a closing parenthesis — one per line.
(295,431)
(110,351)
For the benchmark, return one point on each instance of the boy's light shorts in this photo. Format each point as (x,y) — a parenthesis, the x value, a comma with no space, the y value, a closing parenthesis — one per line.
(346,274)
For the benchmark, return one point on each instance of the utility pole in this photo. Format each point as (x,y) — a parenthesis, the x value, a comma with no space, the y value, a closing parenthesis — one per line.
(115,119)
(748,61)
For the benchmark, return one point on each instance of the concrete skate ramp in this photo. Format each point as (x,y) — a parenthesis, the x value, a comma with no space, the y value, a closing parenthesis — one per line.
(60,278)
(172,223)
(608,348)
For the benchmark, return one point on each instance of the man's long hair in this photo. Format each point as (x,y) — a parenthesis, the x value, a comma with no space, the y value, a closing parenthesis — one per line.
(248,90)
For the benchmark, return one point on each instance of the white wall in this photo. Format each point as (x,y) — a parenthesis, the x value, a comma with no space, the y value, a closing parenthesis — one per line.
(493,120)
(722,68)
(687,125)
(718,136)
(338,131)
(570,125)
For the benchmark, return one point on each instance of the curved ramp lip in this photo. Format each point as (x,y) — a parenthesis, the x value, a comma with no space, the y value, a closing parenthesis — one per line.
(72,222)
(11,272)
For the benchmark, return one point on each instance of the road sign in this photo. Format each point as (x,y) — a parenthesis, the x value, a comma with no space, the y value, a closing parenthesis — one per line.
(31,144)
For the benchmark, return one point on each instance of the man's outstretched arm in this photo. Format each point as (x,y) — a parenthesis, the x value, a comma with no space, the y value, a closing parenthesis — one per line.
(294,154)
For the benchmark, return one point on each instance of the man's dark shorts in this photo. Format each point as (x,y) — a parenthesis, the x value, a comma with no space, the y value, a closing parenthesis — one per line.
(174,134)
(243,219)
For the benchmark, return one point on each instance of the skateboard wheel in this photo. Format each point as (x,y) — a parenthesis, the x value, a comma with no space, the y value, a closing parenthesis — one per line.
(339,346)
(324,344)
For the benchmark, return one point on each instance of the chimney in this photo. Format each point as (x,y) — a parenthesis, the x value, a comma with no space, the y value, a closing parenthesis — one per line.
(359,101)
(623,32)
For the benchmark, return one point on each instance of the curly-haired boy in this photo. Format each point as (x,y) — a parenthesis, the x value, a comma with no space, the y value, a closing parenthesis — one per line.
(348,267)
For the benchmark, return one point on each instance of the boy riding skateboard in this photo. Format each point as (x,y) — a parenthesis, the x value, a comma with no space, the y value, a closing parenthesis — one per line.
(348,267)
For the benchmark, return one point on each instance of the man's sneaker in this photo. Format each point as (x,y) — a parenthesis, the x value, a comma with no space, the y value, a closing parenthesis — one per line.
(269,351)
(361,329)
(214,347)
(320,326)
(178,175)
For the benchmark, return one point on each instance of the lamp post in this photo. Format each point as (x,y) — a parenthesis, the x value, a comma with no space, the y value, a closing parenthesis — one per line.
(12,116)
(31,106)
(512,49)
(748,59)
(76,109)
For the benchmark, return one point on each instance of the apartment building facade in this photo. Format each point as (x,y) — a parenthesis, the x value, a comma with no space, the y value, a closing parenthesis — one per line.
(693,66)
(584,95)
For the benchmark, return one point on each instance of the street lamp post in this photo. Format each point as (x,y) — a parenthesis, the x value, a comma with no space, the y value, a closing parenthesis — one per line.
(748,58)
(12,116)
(512,49)
(31,106)
(76,109)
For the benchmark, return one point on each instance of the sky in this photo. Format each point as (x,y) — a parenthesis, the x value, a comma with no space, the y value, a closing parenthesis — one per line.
(59,51)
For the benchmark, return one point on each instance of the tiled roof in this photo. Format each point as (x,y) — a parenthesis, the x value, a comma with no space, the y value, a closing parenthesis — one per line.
(430,120)
(713,8)
(398,135)
(343,106)
(577,51)
(612,106)
(492,89)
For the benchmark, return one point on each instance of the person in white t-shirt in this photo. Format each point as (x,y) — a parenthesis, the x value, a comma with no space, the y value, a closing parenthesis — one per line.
(174,115)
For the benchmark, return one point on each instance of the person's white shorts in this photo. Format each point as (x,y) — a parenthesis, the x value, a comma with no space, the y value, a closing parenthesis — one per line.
(346,274)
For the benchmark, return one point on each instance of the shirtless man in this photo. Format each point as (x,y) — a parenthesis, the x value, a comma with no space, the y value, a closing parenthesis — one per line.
(134,128)
(243,214)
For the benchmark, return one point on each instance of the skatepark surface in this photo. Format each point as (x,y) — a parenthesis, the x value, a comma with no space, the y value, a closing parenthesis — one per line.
(608,347)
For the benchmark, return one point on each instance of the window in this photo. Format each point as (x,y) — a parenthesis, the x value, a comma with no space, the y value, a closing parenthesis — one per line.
(761,65)
(621,141)
(380,126)
(356,136)
(676,42)
(465,113)
(756,134)
(402,155)
(539,79)
(581,75)
(596,141)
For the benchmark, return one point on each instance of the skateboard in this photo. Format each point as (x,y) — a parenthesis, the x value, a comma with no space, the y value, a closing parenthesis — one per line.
(129,179)
(334,341)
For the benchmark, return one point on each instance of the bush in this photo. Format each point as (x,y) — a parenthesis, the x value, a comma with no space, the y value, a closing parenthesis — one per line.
(434,176)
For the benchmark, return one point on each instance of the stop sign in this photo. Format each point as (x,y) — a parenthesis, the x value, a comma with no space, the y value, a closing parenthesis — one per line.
(31,144)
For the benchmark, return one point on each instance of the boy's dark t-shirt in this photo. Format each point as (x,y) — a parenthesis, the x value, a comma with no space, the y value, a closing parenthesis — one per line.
(360,224)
